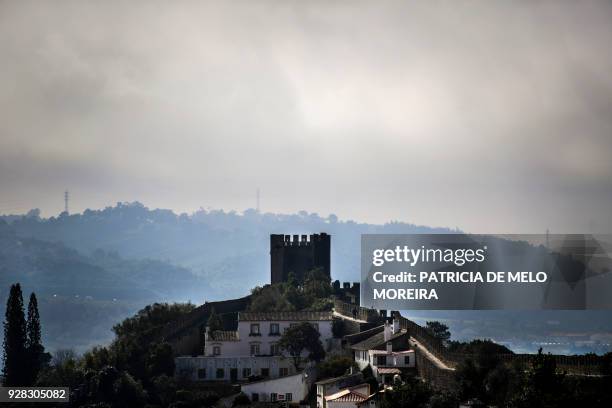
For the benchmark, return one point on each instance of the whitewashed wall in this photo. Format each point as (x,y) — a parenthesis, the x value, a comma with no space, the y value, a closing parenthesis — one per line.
(296,384)
(242,348)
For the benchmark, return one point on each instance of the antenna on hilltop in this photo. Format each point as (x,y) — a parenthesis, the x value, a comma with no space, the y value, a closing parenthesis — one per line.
(258,208)
(66,198)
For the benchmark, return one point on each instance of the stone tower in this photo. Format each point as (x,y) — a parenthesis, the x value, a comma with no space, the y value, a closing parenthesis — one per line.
(298,255)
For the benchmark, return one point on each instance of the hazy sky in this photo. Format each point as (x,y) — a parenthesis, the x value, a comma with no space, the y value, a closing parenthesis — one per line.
(488,116)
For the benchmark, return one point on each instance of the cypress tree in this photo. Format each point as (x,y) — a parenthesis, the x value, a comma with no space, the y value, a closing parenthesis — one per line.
(33,323)
(14,356)
(34,347)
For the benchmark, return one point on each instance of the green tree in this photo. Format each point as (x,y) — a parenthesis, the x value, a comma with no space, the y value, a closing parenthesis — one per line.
(335,366)
(483,376)
(136,335)
(370,378)
(317,285)
(65,371)
(160,360)
(543,386)
(37,358)
(128,393)
(299,338)
(273,298)
(438,330)
(291,280)
(163,389)
(15,355)
(414,393)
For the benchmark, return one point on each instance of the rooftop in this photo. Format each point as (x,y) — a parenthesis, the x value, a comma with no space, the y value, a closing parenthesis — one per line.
(377,340)
(389,370)
(224,335)
(284,316)
(375,352)
(334,379)
(348,395)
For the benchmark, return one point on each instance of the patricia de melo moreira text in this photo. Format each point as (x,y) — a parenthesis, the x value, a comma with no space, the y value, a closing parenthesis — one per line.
(458,257)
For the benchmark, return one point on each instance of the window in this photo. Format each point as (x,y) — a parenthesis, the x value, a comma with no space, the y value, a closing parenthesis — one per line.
(201,373)
(381,360)
(255,330)
(255,349)
(254,397)
(283,371)
(246,372)
(274,349)
(288,397)
(274,329)
(273,397)
(406,360)
(265,372)
(220,373)
(216,350)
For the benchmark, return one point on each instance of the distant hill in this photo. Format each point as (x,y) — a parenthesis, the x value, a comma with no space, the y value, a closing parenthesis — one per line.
(92,270)
(121,258)
(52,268)
(82,296)
(225,247)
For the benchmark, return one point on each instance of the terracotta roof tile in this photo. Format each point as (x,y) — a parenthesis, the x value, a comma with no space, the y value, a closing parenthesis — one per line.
(224,335)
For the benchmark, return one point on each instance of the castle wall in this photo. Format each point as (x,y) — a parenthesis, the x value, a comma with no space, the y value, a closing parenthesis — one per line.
(298,254)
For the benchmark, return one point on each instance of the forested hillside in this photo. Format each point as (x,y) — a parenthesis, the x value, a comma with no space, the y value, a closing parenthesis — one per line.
(82,296)
(93,269)
(219,246)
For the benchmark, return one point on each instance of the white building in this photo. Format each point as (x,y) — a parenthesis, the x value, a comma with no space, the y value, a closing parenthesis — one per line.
(258,333)
(331,386)
(386,352)
(251,350)
(293,388)
(232,369)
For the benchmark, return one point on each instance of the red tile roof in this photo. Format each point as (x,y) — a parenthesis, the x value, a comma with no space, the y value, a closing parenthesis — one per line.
(346,396)
(384,370)
(224,335)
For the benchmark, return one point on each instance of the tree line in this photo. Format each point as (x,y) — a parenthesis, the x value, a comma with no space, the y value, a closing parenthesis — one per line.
(23,353)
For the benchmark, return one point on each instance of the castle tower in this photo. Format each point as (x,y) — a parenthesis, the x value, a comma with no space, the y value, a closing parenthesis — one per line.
(298,254)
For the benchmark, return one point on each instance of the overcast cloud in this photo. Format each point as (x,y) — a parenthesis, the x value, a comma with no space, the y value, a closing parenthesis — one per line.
(488,116)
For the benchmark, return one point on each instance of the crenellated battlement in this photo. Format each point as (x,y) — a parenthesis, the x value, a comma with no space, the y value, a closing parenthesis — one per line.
(299,240)
(298,254)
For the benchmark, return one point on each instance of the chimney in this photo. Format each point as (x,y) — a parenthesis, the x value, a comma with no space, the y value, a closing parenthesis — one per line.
(387,331)
(396,326)
(389,347)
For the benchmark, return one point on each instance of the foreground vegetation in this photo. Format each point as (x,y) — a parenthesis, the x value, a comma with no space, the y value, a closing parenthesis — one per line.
(483,381)
(137,370)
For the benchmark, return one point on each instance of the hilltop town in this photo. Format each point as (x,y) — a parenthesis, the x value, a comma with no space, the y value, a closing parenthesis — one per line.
(305,340)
